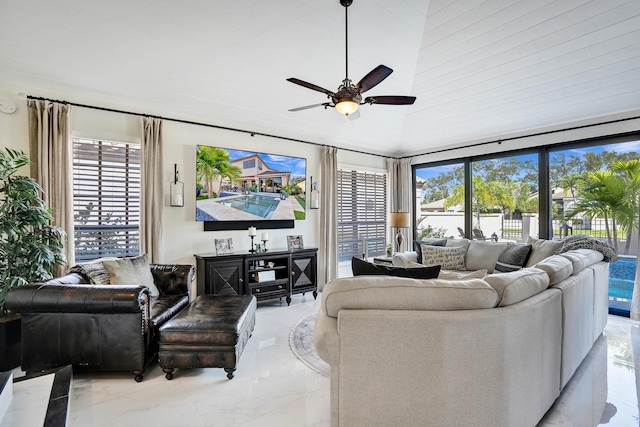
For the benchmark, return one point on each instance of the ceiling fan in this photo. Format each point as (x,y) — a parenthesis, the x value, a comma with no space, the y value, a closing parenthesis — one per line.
(349,96)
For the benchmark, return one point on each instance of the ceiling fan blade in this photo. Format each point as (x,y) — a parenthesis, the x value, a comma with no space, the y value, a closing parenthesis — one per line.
(374,77)
(310,86)
(390,100)
(306,107)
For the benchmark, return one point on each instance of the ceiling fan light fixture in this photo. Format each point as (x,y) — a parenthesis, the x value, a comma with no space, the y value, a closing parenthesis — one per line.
(347,106)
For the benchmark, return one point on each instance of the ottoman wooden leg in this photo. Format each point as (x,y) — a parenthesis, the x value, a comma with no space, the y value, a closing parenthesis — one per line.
(168,372)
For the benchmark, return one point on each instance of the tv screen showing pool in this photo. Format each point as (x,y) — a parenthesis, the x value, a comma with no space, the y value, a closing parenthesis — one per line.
(237,185)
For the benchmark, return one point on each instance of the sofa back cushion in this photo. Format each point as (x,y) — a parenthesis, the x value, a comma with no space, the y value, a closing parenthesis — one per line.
(399,293)
(557,267)
(483,255)
(362,268)
(581,258)
(452,243)
(516,286)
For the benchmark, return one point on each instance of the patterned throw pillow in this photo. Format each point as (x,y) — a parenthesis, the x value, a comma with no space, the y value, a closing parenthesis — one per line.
(513,258)
(417,245)
(449,258)
(94,270)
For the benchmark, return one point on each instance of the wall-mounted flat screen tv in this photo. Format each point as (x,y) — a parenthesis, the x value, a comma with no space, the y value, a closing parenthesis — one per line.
(248,187)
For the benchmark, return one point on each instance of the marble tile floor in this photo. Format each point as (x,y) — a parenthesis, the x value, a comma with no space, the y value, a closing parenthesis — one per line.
(273,388)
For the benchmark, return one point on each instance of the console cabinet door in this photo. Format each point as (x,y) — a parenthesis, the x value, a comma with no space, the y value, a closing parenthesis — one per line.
(304,273)
(223,277)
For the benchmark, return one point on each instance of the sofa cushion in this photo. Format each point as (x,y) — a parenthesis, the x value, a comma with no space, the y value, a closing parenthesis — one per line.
(483,255)
(461,275)
(518,285)
(448,258)
(581,258)
(132,271)
(361,268)
(399,293)
(513,258)
(557,267)
(541,249)
(430,242)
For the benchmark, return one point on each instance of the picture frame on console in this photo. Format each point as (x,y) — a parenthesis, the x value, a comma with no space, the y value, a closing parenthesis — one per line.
(294,242)
(224,246)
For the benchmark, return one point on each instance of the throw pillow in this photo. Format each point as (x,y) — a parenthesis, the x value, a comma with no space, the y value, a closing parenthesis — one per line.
(541,249)
(362,268)
(94,270)
(418,248)
(481,255)
(513,258)
(448,258)
(132,271)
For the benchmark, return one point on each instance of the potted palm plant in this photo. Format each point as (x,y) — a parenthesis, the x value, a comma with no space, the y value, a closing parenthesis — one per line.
(30,246)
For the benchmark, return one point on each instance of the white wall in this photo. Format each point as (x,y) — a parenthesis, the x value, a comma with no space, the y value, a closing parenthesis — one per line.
(182,235)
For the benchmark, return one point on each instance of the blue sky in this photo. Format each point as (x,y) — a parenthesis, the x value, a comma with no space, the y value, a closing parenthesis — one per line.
(296,165)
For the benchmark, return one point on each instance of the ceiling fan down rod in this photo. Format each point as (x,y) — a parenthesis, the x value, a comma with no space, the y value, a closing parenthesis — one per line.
(346,4)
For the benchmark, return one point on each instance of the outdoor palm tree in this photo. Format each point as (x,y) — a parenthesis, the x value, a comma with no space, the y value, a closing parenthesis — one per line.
(211,164)
(602,196)
(628,217)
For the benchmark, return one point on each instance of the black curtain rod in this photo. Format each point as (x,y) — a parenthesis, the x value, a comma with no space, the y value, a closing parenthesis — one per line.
(253,133)
(500,141)
(189,122)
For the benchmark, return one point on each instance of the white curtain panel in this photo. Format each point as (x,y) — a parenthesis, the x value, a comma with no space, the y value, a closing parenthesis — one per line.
(329,213)
(151,189)
(51,158)
(401,194)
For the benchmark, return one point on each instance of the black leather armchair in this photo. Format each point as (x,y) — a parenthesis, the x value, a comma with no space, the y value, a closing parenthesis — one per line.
(67,321)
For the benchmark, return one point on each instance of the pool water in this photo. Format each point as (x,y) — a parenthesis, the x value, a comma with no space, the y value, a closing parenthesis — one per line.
(262,206)
(622,274)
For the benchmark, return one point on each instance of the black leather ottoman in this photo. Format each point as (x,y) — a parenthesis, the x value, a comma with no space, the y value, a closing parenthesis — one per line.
(210,332)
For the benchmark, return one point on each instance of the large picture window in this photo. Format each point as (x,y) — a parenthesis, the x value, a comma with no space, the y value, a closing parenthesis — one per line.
(585,187)
(106,188)
(362,213)
(595,191)
(439,196)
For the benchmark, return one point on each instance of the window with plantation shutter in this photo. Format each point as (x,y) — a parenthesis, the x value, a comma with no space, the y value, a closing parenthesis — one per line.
(106,192)
(362,213)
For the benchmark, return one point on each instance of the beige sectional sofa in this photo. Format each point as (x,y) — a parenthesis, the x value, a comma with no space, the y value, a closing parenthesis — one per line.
(468,351)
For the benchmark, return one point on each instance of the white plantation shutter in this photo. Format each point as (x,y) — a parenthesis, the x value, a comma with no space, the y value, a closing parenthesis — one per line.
(362,213)
(106,187)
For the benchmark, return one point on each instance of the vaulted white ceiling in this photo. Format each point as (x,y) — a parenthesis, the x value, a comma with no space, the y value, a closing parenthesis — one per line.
(479,68)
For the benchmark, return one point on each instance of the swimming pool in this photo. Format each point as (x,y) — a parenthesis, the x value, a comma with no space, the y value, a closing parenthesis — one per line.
(262,206)
(622,274)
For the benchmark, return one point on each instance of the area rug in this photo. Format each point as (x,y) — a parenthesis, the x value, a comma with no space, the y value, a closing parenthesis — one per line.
(301,343)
